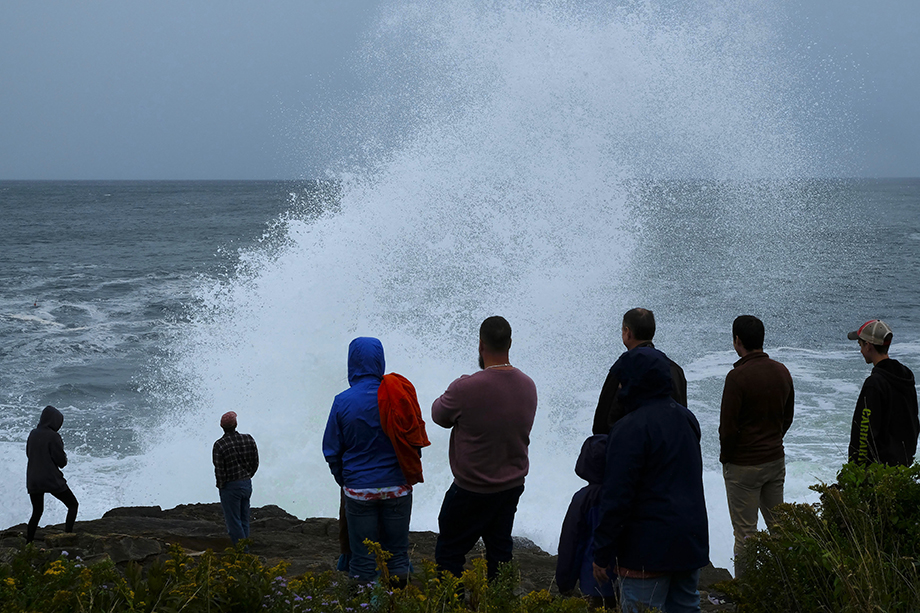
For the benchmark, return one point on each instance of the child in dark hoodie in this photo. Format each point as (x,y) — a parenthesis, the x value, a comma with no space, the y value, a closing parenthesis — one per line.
(576,543)
(45,451)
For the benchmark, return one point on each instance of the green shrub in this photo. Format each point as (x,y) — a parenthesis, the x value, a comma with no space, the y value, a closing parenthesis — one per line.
(237,581)
(856,550)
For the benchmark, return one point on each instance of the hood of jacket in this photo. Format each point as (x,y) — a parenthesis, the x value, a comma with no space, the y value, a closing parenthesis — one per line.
(51,418)
(898,376)
(644,374)
(592,461)
(365,359)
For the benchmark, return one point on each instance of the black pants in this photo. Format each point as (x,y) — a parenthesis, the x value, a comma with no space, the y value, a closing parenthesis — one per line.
(465,517)
(38,507)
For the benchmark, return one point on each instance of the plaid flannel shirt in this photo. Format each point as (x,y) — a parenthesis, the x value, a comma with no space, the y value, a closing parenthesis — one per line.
(235,457)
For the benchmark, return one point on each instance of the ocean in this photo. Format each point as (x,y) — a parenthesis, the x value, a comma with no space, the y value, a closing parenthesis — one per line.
(144,310)
(546,168)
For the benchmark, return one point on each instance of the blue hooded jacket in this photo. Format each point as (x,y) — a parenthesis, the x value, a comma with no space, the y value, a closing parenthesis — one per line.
(653,512)
(359,453)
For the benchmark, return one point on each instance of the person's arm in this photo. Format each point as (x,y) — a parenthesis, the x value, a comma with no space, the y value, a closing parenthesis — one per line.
(571,550)
(679,384)
(730,412)
(789,408)
(333,447)
(865,418)
(255,457)
(606,404)
(446,410)
(216,459)
(626,461)
(56,448)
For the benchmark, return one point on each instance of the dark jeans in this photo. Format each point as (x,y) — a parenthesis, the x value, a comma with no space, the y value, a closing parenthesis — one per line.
(38,507)
(385,522)
(465,517)
(673,593)
(234,500)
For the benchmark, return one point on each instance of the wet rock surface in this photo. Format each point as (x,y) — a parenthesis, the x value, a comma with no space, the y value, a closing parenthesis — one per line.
(144,534)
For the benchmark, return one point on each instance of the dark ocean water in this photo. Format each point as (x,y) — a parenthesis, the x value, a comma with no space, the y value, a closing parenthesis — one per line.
(93,276)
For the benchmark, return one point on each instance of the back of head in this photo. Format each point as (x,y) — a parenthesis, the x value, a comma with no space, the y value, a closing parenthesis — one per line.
(228,421)
(750,331)
(365,358)
(592,461)
(876,333)
(495,333)
(51,418)
(641,322)
(644,374)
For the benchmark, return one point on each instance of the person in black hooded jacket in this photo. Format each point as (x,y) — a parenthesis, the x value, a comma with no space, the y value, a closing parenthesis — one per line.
(45,450)
(885,424)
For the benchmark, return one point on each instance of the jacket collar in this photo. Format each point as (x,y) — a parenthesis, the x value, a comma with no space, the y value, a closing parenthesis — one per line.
(753,355)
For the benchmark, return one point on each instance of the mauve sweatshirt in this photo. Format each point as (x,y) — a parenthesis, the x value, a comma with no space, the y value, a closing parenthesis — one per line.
(490,414)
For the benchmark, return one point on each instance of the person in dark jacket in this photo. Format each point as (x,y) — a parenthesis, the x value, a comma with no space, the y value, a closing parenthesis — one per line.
(362,459)
(576,542)
(757,409)
(653,530)
(45,450)
(637,331)
(885,424)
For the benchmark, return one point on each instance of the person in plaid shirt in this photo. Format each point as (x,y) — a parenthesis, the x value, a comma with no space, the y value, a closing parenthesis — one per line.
(236,460)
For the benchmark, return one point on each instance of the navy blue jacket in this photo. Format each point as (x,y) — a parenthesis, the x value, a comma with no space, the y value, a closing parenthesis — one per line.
(576,542)
(653,512)
(359,453)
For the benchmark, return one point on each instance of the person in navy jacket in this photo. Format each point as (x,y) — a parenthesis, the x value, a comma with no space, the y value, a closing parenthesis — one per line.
(576,542)
(653,530)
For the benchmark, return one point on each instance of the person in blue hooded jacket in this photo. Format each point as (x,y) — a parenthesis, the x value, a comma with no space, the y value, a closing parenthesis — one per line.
(378,498)
(45,450)
(653,530)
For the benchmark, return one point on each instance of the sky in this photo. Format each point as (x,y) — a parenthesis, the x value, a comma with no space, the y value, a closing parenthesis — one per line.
(231,89)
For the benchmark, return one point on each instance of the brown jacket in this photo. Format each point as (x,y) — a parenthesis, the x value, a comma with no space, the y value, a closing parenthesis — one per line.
(757,407)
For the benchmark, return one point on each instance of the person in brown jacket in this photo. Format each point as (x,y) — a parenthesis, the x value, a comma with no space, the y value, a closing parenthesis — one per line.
(757,409)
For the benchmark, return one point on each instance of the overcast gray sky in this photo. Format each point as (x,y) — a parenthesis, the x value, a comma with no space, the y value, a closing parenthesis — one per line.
(208,89)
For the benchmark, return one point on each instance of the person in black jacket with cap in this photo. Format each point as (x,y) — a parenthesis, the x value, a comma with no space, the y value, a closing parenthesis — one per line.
(885,423)
(45,450)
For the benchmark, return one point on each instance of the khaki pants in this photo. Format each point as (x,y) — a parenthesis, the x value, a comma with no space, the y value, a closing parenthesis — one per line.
(749,488)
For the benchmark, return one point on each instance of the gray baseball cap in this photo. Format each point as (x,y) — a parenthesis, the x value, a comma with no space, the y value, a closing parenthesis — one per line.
(874,332)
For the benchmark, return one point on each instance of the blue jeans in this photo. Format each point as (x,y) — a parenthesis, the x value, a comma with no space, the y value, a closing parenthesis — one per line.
(671,593)
(465,517)
(382,521)
(234,500)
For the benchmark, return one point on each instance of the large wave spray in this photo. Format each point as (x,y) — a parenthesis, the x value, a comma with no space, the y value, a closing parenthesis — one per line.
(509,135)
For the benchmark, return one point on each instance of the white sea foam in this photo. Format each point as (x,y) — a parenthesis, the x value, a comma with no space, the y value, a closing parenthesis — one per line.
(34,319)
